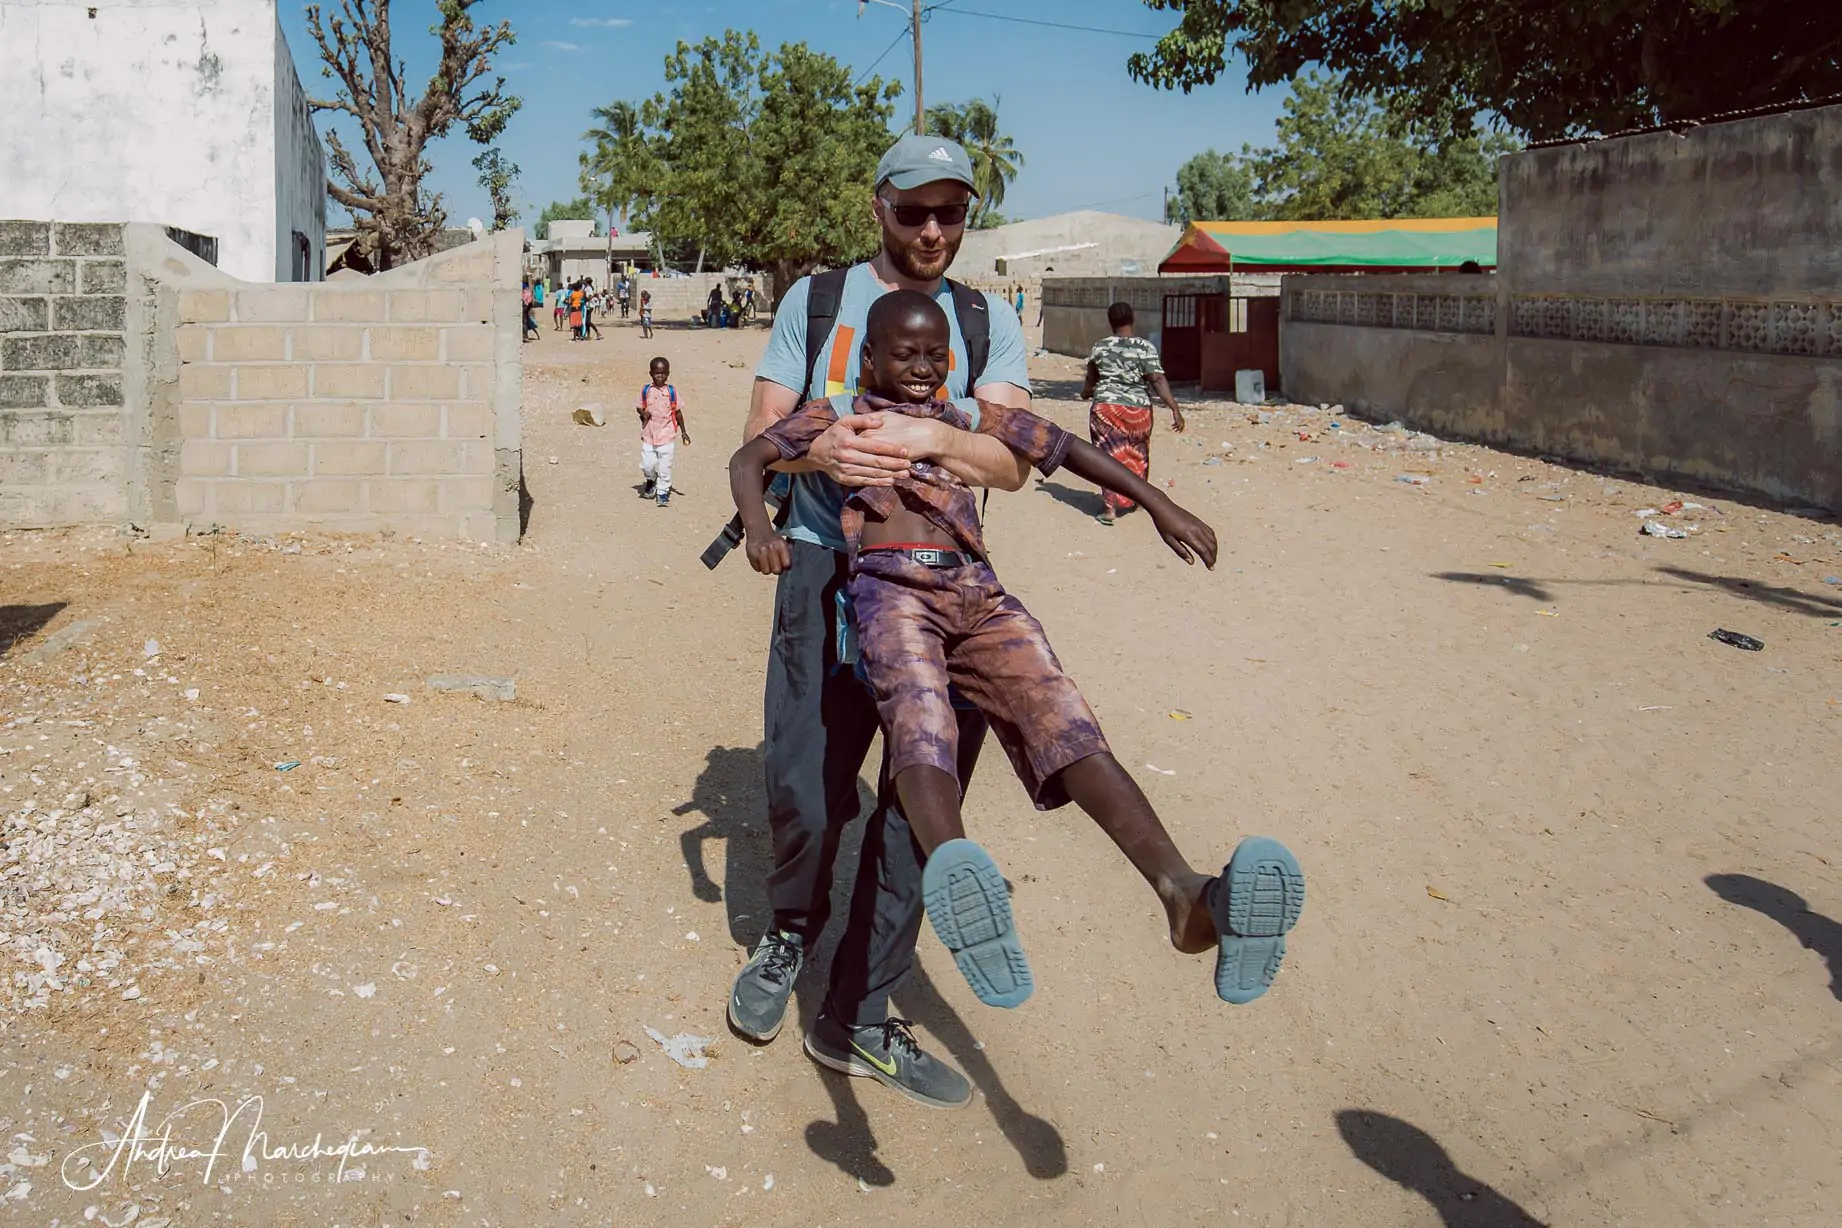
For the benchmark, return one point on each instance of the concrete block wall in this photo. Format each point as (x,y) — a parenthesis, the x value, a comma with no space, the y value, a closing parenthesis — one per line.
(63,435)
(676,299)
(140,385)
(387,402)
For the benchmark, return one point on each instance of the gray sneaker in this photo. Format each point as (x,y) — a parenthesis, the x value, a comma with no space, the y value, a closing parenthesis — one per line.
(758,1003)
(888,1053)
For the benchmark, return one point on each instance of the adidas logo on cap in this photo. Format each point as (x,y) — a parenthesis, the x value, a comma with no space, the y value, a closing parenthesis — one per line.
(940,154)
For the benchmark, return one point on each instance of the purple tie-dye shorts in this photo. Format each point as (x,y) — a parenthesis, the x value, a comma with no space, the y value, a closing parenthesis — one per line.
(920,629)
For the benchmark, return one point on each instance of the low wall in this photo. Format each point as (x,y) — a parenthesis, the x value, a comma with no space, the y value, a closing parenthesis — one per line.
(64,433)
(1736,394)
(1074,308)
(138,384)
(368,403)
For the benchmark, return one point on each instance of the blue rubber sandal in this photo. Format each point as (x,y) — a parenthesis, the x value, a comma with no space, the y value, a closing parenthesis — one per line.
(971,911)
(1256,900)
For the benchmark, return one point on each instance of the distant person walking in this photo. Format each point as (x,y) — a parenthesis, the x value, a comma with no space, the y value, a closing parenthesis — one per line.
(1019,298)
(561,313)
(589,301)
(530,302)
(646,313)
(624,294)
(1122,372)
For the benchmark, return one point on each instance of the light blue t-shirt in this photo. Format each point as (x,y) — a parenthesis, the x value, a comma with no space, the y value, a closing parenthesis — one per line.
(817,500)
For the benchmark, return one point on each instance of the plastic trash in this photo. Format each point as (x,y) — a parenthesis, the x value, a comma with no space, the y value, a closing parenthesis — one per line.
(484,686)
(1250,386)
(1413,479)
(1656,528)
(685,1049)
(1737,640)
(1832,579)
(288,766)
(590,415)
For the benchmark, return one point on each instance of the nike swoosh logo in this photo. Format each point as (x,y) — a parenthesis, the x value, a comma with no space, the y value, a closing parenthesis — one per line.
(887,1068)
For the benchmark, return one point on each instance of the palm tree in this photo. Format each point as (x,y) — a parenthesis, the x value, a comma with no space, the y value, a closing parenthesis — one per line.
(616,170)
(995,157)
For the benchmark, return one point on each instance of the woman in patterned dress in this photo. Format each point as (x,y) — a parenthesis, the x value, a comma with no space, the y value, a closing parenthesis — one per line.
(1122,372)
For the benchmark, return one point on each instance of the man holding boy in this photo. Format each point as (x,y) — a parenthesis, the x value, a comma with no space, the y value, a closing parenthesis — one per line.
(819,720)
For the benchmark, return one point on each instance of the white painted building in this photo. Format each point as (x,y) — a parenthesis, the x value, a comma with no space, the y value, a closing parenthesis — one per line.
(186,113)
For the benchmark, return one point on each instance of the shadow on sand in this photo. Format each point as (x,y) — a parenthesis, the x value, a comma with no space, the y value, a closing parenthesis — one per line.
(1412,1158)
(1817,932)
(730,797)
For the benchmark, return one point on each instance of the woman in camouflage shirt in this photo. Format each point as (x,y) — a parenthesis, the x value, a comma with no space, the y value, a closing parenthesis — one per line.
(1122,371)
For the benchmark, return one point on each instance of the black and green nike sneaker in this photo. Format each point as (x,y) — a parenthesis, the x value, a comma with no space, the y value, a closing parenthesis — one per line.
(888,1053)
(758,1000)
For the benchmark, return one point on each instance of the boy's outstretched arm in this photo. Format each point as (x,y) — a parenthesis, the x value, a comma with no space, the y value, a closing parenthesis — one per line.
(1181,531)
(768,552)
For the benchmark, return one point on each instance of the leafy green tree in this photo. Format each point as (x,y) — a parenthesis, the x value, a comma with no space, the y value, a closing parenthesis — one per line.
(582,208)
(817,141)
(1213,187)
(764,160)
(1339,156)
(396,220)
(498,176)
(995,156)
(1547,68)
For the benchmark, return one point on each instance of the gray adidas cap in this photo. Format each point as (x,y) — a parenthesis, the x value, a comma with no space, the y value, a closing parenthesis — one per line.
(916,160)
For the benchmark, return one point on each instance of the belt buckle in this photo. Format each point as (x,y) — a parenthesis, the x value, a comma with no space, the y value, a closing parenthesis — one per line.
(929,557)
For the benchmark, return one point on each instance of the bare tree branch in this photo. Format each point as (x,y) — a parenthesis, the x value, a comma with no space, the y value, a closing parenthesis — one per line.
(392,213)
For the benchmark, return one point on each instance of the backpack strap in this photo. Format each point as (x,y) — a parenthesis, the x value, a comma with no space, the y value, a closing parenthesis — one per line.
(974,327)
(824,296)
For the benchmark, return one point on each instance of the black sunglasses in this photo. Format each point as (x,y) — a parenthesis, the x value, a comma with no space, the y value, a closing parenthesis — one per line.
(915,216)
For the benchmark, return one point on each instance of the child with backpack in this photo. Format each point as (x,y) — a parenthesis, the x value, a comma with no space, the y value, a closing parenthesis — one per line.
(661,428)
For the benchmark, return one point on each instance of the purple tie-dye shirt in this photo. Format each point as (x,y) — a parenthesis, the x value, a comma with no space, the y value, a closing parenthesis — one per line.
(931,491)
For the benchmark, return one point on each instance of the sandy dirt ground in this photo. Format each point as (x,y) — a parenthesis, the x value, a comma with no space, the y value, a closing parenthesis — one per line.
(1570,953)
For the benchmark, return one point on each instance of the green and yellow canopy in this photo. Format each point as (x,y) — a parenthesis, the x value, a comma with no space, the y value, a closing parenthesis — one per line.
(1393,245)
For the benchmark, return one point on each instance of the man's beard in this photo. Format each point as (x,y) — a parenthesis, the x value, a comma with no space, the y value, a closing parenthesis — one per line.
(908,260)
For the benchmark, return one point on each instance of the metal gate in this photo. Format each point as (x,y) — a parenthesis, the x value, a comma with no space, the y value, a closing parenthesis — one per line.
(1186,318)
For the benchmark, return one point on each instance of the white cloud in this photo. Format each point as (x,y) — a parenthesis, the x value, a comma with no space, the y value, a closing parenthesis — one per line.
(556,46)
(607,23)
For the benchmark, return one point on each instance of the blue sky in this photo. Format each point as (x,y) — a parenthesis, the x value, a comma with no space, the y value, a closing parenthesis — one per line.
(1093,137)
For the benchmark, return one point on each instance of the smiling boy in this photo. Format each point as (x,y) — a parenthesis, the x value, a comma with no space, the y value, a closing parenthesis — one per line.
(930,612)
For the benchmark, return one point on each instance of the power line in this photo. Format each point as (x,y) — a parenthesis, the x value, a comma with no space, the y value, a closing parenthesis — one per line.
(1119,200)
(1032,21)
(879,59)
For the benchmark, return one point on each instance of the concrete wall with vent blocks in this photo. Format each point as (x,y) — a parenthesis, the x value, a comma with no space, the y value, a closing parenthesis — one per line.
(1669,303)
(386,402)
(63,427)
(140,385)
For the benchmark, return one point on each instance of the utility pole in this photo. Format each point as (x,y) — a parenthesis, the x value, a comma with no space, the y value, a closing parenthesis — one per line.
(914,19)
(920,108)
